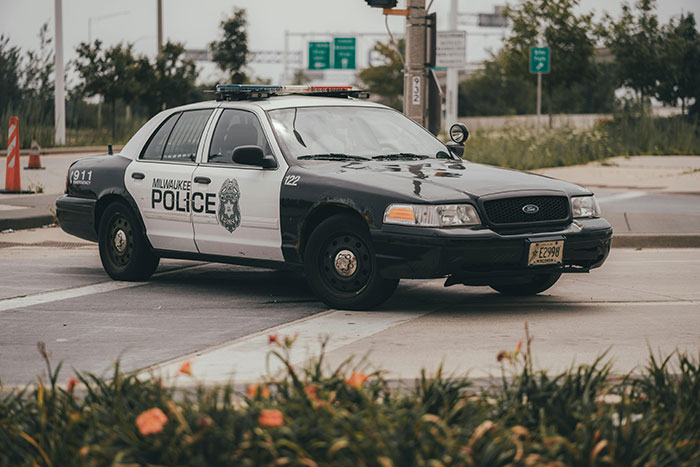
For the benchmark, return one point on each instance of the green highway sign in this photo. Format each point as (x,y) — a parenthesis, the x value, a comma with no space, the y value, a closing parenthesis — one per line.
(319,55)
(539,60)
(344,53)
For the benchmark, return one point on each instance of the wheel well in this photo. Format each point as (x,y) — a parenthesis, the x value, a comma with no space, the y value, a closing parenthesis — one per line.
(319,215)
(102,204)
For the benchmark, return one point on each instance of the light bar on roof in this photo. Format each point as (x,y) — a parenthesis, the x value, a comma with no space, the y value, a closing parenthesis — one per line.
(261,91)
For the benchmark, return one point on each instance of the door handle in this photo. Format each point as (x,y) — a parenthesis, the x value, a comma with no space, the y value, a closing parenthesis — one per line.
(203,180)
(137,175)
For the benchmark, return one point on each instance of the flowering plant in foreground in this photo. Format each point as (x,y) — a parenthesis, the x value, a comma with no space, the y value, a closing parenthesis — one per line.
(344,416)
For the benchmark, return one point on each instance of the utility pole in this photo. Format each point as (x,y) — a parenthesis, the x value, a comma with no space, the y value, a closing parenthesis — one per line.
(160,26)
(452,94)
(414,85)
(59,91)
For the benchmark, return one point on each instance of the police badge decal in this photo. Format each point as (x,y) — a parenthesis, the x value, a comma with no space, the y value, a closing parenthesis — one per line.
(229,213)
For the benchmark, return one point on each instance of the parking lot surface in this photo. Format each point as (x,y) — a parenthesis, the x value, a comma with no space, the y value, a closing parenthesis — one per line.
(53,289)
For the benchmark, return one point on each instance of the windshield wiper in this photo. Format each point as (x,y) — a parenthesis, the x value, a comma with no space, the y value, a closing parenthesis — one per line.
(401,156)
(331,157)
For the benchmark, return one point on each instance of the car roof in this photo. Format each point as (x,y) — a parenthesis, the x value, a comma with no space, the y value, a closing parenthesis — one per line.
(283,102)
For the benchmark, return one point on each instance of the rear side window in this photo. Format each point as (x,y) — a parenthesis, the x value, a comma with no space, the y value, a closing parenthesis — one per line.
(154,149)
(178,138)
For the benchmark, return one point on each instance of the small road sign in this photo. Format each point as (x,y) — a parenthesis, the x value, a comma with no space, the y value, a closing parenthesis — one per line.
(319,55)
(539,60)
(344,53)
(451,49)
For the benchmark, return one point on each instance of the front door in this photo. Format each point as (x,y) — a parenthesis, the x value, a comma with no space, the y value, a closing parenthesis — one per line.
(235,208)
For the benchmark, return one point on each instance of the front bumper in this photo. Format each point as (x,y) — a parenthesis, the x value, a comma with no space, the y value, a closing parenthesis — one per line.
(480,256)
(76,216)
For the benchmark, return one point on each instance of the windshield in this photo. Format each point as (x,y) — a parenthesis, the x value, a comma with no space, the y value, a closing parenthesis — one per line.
(352,133)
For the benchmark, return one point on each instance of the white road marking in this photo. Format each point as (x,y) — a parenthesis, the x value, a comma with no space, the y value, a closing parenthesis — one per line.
(245,359)
(64,294)
(47,297)
(621,196)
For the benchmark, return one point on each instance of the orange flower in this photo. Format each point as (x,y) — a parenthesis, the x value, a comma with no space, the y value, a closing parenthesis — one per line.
(72,382)
(186,369)
(311,392)
(356,380)
(271,418)
(288,341)
(272,339)
(518,347)
(252,391)
(501,355)
(151,421)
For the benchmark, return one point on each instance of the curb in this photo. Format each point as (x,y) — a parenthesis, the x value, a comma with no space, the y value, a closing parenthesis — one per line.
(31,222)
(656,241)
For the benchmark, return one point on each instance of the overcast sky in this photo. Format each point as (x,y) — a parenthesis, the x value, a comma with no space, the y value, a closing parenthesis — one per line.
(196,23)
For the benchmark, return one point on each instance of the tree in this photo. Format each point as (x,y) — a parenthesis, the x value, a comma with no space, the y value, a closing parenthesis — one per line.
(568,36)
(10,74)
(37,79)
(386,79)
(495,91)
(680,49)
(111,73)
(168,82)
(230,53)
(635,42)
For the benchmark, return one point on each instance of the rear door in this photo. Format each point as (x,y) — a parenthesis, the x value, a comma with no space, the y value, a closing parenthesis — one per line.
(235,208)
(160,179)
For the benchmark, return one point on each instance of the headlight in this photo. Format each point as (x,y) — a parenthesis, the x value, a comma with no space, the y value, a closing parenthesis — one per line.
(584,206)
(445,215)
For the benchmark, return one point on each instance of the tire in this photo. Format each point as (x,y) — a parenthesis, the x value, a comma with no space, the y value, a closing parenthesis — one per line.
(124,251)
(532,286)
(341,267)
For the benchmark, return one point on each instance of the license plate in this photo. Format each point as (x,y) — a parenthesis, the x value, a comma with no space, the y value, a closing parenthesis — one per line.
(546,253)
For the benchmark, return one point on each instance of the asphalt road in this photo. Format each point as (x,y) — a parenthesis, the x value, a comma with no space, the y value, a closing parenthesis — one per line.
(218,316)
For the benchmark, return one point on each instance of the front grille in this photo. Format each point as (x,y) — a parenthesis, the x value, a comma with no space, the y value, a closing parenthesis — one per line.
(510,210)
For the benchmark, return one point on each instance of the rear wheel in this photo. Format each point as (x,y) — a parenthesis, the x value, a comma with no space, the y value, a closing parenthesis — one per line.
(124,251)
(341,267)
(531,286)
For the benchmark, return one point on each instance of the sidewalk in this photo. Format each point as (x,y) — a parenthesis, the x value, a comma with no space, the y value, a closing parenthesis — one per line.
(673,180)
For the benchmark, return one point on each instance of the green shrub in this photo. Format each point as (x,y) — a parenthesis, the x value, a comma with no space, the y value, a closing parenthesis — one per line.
(625,135)
(583,416)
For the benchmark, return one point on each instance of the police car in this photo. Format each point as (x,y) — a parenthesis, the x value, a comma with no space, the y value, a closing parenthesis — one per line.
(352,193)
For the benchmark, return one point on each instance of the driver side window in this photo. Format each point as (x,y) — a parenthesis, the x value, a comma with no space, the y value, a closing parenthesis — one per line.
(235,128)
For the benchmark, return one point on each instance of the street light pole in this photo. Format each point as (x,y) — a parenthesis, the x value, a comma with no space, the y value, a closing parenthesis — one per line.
(452,98)
(160,26)
(59,91)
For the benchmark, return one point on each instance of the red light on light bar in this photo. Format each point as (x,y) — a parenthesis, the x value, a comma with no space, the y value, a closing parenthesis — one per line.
(330,88)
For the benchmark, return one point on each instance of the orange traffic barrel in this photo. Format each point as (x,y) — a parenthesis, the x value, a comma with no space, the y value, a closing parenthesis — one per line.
(12,181)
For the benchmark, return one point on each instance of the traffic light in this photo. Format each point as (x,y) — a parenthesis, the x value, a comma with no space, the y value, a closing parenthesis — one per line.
(381,3)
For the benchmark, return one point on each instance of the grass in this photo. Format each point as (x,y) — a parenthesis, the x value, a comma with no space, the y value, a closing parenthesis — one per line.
(623,136)
(314,416)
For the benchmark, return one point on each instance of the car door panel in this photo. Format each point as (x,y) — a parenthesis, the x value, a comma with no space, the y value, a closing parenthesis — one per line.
(244,221)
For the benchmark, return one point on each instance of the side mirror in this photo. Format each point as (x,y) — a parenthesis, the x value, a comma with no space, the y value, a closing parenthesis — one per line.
(253,155)
(459,133)
(456,149)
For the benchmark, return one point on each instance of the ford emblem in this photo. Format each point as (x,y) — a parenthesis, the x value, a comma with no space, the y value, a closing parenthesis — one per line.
(531,209)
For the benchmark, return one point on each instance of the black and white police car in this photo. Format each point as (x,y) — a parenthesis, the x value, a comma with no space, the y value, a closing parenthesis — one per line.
(353,193)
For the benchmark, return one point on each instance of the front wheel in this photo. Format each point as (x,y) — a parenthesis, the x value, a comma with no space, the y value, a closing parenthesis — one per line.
(124,251)
(341,266)
(532,286)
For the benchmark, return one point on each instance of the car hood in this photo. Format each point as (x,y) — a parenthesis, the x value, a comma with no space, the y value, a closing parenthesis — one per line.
(437,180)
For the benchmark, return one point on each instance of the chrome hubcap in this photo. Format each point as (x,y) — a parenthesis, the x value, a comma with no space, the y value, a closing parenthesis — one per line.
(345,263)
(120,241)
